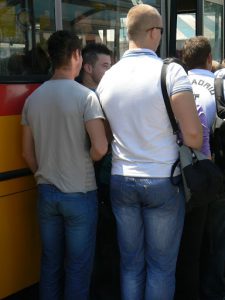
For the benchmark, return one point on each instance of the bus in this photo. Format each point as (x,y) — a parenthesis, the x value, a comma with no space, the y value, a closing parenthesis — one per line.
(25,26)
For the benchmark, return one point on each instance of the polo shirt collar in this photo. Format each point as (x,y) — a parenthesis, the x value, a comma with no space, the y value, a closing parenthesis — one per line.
(201,72)
(138,52)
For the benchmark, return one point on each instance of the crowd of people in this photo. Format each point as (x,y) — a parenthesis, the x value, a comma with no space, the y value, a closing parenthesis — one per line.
(99,141)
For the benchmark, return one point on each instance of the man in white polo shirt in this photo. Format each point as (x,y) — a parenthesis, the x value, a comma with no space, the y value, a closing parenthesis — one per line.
(149,210)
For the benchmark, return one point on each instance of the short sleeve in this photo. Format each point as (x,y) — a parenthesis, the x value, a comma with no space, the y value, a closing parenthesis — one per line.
(177,79)
(93,108)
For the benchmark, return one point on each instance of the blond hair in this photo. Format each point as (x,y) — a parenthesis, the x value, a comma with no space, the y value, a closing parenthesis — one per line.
(141,18)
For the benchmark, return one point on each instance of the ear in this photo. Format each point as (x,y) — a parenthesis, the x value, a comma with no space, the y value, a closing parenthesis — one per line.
(209,59)
(87,68)
(209,62)
(76,54)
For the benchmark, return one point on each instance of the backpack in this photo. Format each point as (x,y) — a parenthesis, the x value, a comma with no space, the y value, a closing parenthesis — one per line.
(217,138)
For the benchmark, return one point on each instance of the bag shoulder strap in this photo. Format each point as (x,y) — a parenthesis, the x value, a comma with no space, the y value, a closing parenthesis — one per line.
(166,98)
(218,85)
(173,121)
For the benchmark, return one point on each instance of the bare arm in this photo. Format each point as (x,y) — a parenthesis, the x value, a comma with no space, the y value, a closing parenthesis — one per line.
(28,149)
(108,131)
(97,134)
(184,109)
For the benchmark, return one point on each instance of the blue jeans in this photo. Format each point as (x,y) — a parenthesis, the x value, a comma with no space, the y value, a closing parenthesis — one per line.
(68,230)
(149,213)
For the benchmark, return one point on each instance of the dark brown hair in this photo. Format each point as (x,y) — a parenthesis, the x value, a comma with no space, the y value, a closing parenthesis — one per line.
(61,46)
(195,52)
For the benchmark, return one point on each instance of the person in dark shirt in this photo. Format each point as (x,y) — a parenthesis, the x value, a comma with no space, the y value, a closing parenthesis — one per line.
(97,59)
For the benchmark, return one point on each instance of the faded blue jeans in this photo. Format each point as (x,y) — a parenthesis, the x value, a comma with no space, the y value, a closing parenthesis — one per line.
(68,230)
(149,213)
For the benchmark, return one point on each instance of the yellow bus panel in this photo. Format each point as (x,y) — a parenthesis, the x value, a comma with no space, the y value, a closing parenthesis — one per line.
(11,148)
(16,185)
(20,242)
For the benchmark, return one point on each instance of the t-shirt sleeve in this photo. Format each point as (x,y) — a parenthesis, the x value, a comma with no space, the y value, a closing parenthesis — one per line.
(177,79)
(93,108)
(24,115)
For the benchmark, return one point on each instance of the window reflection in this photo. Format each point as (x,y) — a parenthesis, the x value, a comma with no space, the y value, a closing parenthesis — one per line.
(102,21)
(186,28)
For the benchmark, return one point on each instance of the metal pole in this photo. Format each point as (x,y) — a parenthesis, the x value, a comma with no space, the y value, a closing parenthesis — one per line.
(58,15)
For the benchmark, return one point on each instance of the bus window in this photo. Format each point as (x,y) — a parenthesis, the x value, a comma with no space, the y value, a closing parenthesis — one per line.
(24,28)
(98,22)
(212,27)
(102,21)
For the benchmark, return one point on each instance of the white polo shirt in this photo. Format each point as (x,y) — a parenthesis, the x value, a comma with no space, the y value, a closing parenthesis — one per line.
(203,88)
(130,93)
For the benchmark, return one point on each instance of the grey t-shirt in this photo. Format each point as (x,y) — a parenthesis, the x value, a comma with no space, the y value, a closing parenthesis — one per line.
(56,113)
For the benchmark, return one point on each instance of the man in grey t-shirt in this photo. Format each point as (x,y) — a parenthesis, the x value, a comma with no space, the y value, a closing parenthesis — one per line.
(63,132)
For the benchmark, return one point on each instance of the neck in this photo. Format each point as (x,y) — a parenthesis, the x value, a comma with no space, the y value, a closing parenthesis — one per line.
(64,73)
(135,45)
(88,82)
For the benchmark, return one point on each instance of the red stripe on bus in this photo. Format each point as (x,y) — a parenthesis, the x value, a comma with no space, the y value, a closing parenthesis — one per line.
(13,96)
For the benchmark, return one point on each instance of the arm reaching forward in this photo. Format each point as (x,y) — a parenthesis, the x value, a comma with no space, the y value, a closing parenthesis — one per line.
(96,132)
